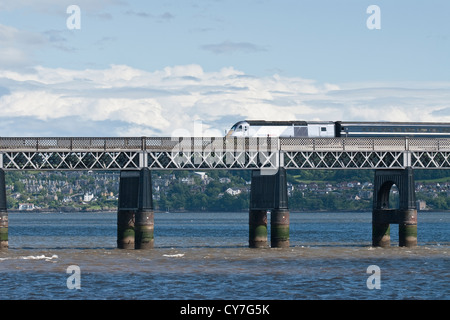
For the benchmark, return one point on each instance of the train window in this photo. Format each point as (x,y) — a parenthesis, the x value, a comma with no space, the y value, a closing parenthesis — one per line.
(323,129)
(239,128)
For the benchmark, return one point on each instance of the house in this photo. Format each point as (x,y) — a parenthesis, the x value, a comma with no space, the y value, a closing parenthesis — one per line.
(233,191)
(224,180)
(421,205)
(188,180)
(88,197)
(290,188)
(202,175)
(26,206)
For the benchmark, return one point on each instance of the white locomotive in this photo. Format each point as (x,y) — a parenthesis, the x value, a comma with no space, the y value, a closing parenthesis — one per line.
(331,129)
(257,128)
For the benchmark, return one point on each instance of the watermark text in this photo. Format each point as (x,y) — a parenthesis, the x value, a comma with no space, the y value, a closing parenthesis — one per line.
(74,20)
(374,280)
(74,280)
(374,20)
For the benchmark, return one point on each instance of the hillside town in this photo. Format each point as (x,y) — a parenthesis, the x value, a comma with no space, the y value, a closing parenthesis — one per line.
(204,191)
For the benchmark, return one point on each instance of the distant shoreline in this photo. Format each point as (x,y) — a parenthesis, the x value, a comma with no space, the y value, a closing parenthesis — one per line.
(58,211)
(187,211)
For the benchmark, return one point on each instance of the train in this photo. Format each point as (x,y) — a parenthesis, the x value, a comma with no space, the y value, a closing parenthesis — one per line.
(333,129)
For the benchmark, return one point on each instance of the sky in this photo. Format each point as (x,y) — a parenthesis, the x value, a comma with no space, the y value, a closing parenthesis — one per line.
(195,67)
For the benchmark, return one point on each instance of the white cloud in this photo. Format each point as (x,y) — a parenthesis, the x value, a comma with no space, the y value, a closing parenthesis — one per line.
(16,45)
(125,101)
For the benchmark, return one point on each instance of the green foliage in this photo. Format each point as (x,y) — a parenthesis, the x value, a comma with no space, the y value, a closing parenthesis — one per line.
(331,176)
(212,196)
(332,201)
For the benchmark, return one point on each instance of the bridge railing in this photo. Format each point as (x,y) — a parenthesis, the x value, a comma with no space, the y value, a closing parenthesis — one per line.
(138,144)
(429,145)
(343,144)
(365,144)
(155,144)
(69,144)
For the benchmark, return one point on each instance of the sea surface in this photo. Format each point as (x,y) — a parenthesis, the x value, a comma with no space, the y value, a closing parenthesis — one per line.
(200,256)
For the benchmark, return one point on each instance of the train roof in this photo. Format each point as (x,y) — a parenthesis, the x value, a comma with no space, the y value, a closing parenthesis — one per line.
(276,123)
(342,123)
(384,123)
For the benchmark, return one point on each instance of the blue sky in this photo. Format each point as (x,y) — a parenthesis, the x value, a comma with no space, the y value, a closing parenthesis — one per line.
(155,67)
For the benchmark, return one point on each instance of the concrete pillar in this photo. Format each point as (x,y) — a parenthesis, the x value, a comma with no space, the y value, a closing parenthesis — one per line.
(144,226)
(407,228)
(279,228)
(269,192)
(257,228)
(405,216)
(279,216)
(144,219)
(135,218)
(3,213)
(125,229)
(381,231)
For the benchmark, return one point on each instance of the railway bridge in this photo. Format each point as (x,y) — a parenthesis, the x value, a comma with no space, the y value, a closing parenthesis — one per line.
(393,159)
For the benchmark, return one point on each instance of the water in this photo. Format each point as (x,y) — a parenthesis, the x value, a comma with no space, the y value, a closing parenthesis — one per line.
(206,256)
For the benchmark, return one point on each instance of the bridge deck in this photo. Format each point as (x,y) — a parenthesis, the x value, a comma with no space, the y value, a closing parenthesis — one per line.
(166,153)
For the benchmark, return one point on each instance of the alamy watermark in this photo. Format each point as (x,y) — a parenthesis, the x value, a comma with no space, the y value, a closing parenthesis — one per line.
(74,20)
(374,280)
(74,280)
(205,149)
(374,20)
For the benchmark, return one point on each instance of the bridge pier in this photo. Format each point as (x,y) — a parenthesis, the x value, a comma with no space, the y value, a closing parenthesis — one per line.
(257,228)
(405,216)
(135,218)
(144,219)
(269,192)
(3,213)
(279,216)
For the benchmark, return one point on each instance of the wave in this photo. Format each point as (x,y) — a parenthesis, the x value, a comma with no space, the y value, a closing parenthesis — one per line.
(40,257)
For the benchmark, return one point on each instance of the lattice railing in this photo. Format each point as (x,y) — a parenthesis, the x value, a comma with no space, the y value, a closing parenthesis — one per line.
(70,144)
(213,160)
(343,160)
(222,143)
(143,143)
(344,144)
(70,160)
(221,153)
(430,160)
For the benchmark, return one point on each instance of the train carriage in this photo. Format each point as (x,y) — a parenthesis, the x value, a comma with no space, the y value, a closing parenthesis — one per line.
(331,129)
(261,128)
(394,129)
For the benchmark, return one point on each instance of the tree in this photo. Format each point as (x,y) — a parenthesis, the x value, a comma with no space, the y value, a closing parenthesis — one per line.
(19,186)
